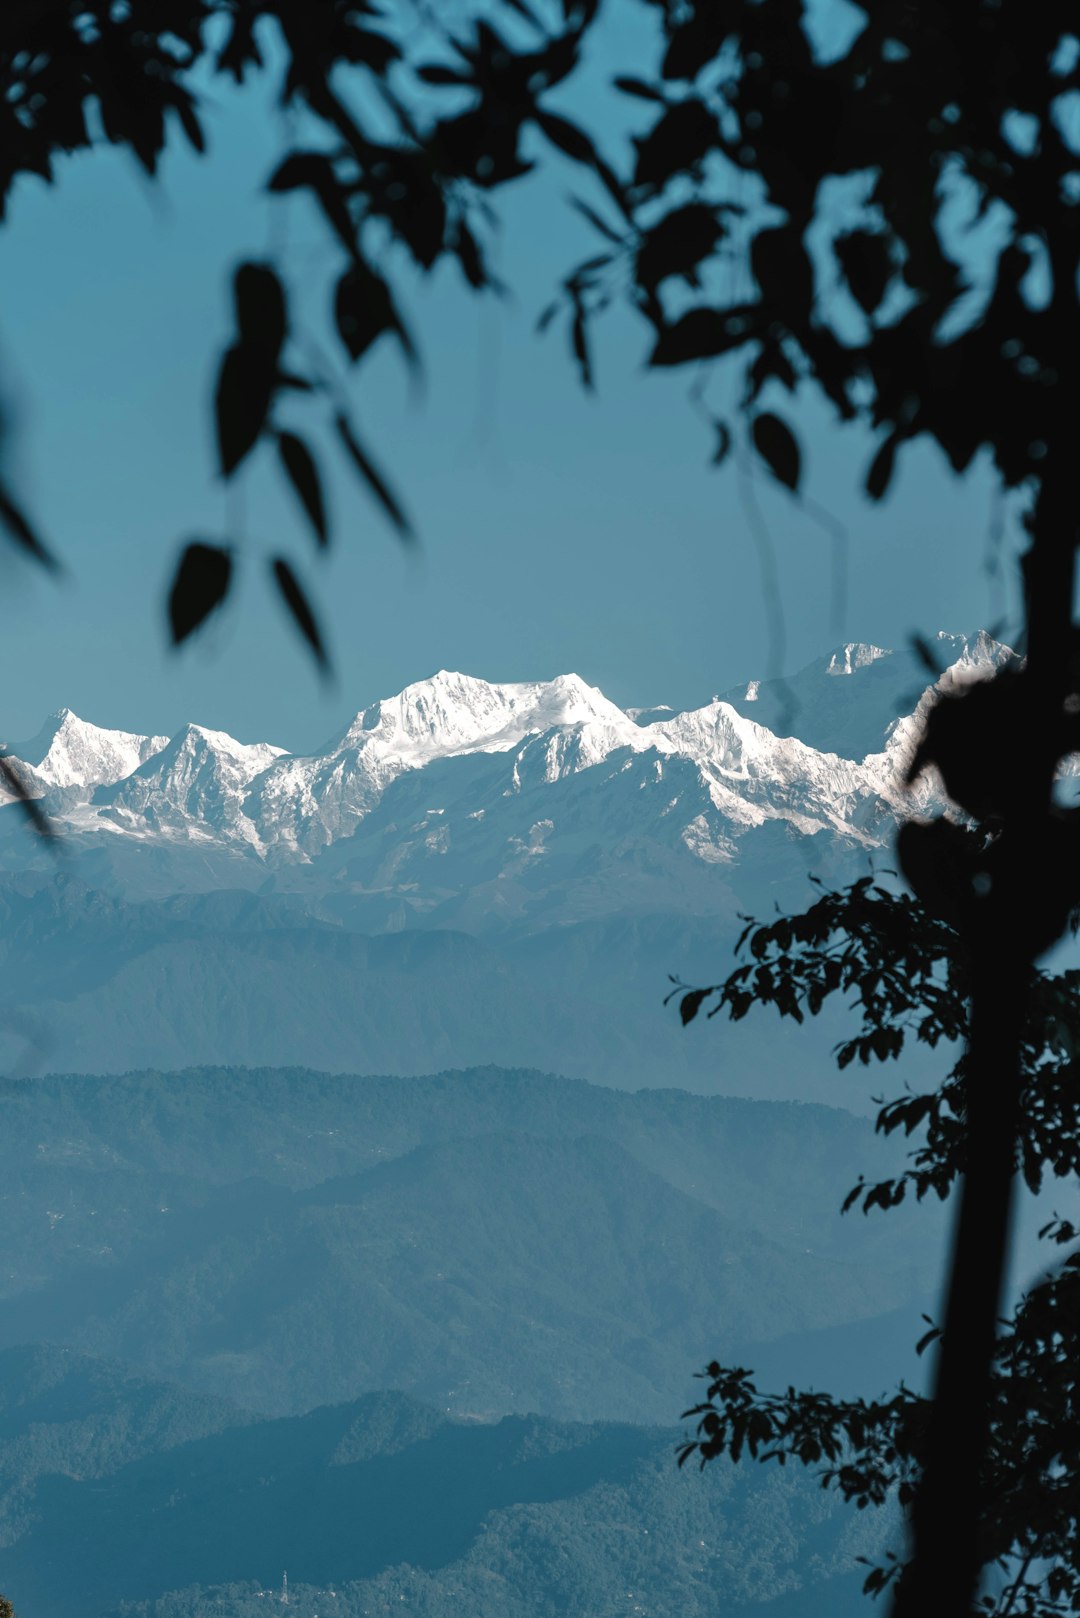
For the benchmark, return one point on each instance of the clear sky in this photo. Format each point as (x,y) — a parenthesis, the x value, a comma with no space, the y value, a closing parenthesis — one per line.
(559,531)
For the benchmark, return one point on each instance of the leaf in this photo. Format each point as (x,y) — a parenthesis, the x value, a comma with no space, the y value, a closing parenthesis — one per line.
(436,73)
(723,443)
(881,468)
(261,317)
(374,479)
(201,584)
(677,244)
(297,603)
(690,1004)
(778,448)
(579,340)
(302,472)
(702,334)
(364,309)
(678,142)
(246,385)
(595,220)
(567,137)
(637,87)
(31,807)
(865,257)
(20,530)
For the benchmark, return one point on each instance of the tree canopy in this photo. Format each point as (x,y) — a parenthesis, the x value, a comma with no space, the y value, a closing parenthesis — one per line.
(888,217)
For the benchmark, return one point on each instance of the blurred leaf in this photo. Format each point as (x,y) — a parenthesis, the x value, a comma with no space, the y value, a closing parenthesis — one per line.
(778,448)
(19,530)
(680,140)
(702,334)
(637,87)
(302,472)
(364,309)
(31,807)
(261,318)
(880,474)
(865,257)
(374,478)
(579,340)
(297,603)
(596,221)
(201,583)
(245,391)
(567,137)
(723,443)
(677,244)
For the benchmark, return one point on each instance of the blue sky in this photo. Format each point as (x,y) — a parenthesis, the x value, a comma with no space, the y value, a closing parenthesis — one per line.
(559,531)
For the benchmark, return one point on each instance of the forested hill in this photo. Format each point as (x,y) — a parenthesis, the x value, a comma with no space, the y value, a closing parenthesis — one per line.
(383,1505)
(490,1241)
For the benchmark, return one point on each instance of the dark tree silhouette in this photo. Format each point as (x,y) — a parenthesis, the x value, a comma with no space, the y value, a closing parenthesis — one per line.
(822,180)
(907,976)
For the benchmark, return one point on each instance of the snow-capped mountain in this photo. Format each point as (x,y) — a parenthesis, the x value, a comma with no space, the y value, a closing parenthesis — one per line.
(470,872)
(458,784)
(70,756)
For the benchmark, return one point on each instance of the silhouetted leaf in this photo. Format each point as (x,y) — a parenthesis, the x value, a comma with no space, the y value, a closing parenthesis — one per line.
(677,244)
(31,807)
(567,137)
(200,584)
(579,341)
(865,257)
(364,309)
(261,317)
(723,443)
(778,448)
(703,334)
(20,530)
(301,470)
(297,603)
(596,221)
(880,474)
(245,391)
(637,87)
(373,478)
(690,1004)
(679,141)
(435,73)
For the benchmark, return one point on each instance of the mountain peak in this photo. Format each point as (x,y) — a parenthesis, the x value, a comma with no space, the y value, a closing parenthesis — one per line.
(69,752)
(855,655)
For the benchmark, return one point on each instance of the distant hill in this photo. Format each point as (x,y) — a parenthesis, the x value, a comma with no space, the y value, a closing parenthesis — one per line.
(488,1241)
(381,1505)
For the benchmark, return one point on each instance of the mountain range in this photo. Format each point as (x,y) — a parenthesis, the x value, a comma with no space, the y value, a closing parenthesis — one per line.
(119,1494)
(470,873)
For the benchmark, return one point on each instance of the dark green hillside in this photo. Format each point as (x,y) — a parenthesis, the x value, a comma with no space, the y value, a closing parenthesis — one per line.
(62,1413)
(382,1500)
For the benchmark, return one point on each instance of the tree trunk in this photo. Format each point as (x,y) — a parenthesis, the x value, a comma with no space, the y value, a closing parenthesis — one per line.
(944,1572)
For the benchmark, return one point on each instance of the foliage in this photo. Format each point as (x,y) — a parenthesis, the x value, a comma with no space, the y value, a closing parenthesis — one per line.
(821,185)
(905,975)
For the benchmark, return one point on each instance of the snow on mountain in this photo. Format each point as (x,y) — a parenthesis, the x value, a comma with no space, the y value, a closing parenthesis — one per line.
(304,803)
(194,786)
(71,756)
(459,784)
